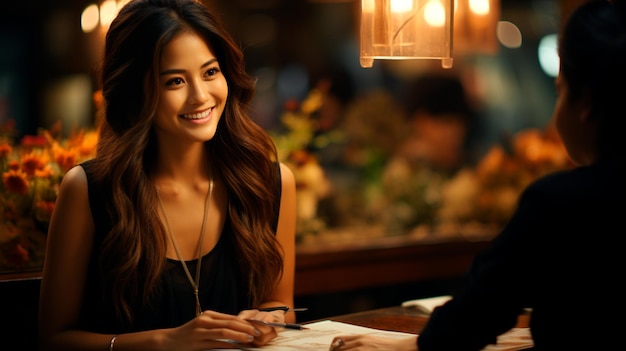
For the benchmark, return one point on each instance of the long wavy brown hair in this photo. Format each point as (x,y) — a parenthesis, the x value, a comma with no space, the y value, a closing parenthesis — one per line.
(134,250)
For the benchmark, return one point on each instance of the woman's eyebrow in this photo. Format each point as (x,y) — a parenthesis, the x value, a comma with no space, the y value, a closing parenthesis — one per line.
(179,71)
(211,61)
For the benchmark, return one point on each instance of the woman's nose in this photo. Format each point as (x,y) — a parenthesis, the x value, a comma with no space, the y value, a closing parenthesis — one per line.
(198,92)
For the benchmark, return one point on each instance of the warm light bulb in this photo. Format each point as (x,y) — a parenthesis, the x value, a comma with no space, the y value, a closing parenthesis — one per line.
(479,7)
(401,6)
(89,18)
(435,13)
(108,11)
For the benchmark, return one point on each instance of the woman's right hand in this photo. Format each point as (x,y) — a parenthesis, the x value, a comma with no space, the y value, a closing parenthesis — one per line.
(210,330)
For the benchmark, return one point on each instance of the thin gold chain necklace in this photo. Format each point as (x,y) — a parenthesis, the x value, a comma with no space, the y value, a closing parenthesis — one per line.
(194,283)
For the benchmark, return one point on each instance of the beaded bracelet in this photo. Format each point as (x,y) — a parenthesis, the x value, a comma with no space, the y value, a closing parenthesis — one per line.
(112,342)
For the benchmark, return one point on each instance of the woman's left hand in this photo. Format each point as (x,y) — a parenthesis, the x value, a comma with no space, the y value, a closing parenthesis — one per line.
(267,332)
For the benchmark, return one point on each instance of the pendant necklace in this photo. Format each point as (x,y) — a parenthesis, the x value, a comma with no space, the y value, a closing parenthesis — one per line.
(194,283)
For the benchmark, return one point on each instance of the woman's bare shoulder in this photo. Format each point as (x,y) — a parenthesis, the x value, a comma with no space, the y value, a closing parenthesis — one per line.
(286,174)
(75,179)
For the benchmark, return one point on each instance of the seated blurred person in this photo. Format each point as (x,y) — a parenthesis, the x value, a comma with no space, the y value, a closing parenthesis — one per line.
(440,120)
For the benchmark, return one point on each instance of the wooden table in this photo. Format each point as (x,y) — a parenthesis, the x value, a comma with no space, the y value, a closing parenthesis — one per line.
(398,318)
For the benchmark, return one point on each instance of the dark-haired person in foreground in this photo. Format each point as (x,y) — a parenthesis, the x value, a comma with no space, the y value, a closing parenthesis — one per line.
(561,253)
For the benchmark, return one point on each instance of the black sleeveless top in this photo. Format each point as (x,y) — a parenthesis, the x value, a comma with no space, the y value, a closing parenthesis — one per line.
(223,287)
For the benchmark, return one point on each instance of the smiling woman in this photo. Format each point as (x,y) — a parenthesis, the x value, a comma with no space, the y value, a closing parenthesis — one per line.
(183,224)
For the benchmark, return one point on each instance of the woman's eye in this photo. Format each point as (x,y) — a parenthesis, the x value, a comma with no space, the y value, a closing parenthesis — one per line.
(212,71)
(174,81)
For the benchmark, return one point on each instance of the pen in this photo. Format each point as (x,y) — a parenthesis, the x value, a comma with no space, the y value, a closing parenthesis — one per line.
(282,308)
(280,325)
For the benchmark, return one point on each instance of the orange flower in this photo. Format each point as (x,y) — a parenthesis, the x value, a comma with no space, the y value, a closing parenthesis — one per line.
(75,138)
(44,173)
(88,145)
(14,165)
(15,181)
(65,158)
(32,163)
(5,150)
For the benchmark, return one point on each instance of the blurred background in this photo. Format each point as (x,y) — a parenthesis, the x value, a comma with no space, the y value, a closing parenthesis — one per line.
(48,63)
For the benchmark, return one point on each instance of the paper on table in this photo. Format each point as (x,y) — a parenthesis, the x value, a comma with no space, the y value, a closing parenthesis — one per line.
(427,305)
(320,335)
(513,340)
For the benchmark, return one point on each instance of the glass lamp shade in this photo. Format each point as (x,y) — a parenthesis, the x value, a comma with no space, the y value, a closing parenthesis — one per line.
(406,29)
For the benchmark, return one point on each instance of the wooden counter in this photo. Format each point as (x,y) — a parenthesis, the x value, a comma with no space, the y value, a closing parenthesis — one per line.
(329,266)
(401,319)
(341,261)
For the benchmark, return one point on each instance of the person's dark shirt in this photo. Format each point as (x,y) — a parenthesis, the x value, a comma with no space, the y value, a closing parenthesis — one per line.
(561,255)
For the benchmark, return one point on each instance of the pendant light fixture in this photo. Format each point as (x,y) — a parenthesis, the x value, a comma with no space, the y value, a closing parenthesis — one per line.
(406,29)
